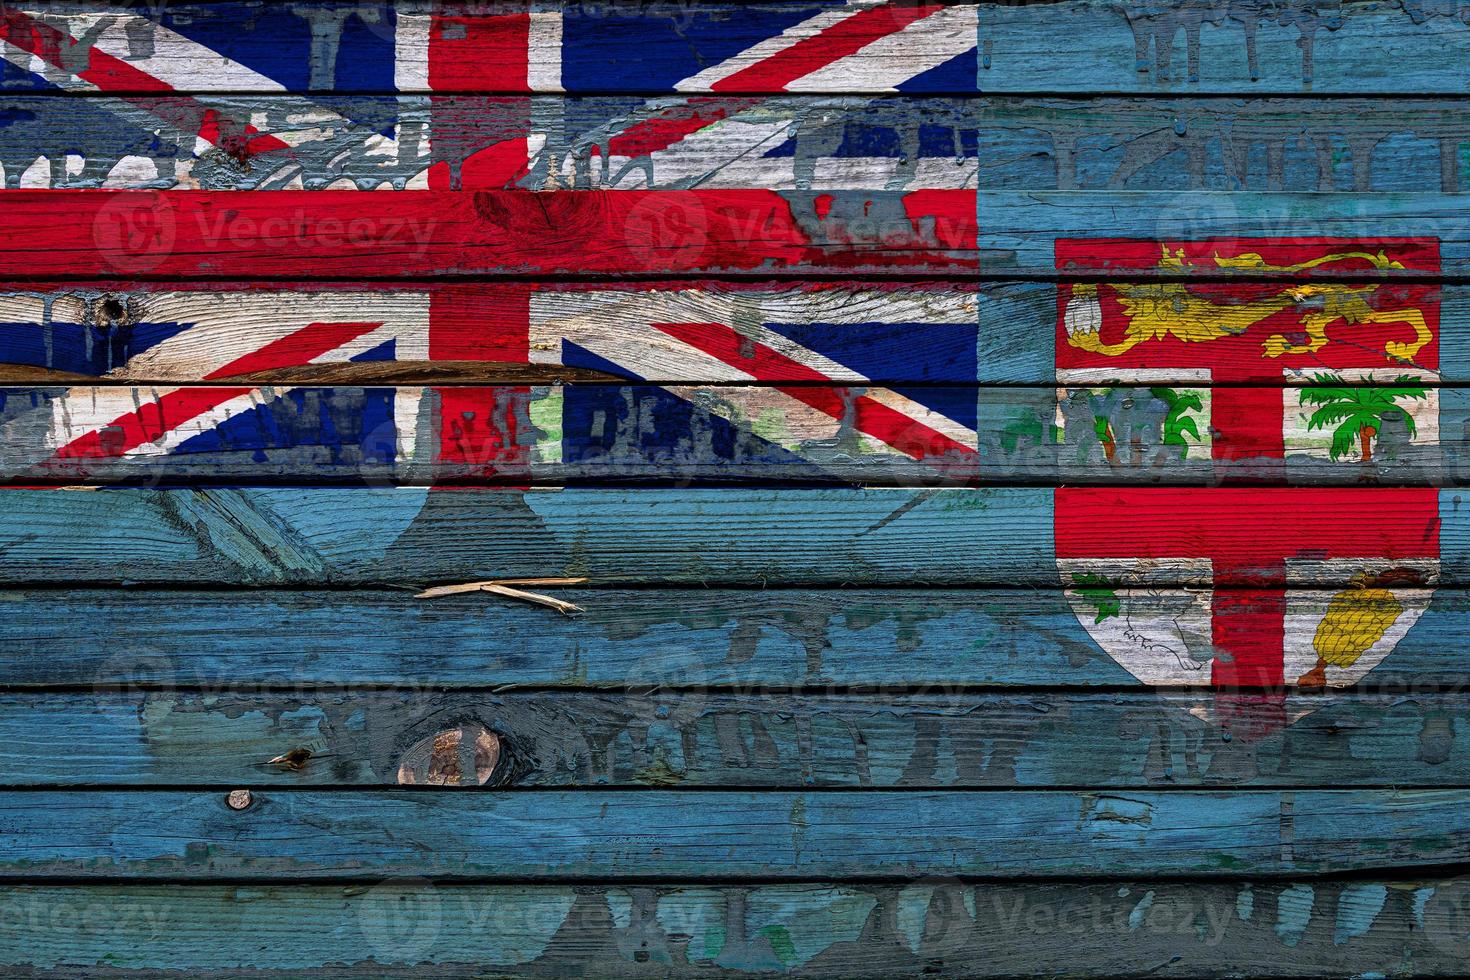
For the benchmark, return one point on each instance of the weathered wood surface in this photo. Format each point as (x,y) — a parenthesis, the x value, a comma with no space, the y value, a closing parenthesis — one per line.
(934,640)
(1245,145)
(1392,434)
(327,234)
(1265,928)
(560,835)
(499,46)
(778,143)
(696,738)
(1007,333)
(937,641)
(1238,46)
(1123,538)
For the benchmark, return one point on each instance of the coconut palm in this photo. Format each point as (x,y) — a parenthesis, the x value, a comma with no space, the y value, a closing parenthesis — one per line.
(1356,413)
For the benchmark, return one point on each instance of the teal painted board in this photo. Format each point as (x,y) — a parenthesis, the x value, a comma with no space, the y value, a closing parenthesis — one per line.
(938,925)
(1175,142)
(1117,538)
(768,641)
(696,738)
(729,836)
(1243,46)
(776,638)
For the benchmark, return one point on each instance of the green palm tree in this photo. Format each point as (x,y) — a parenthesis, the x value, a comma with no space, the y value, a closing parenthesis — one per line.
(1357,413)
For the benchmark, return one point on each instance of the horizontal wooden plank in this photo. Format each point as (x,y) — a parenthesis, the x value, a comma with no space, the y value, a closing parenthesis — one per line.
(436,332)
(1247,47)
(1266,928)
(1393,434)
(560,835)
(931,640)
(500,46)
(695,738)
(784,143)
(326,234)
(781,143)
(851,331)
(1105,537)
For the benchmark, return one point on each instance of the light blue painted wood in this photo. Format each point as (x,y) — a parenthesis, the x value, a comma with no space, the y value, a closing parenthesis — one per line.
(753,641)
(559,835)
(1243,46)
(758,739)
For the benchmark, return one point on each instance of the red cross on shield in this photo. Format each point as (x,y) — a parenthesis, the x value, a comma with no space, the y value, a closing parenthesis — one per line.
(1295,318)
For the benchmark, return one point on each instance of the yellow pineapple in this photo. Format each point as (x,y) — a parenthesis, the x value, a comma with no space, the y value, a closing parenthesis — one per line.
(1357,617)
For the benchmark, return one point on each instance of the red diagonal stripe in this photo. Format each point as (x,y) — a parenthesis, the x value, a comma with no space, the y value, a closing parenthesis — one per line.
(161,416)
(870,416)
(294,349)
(671,126)
(809,54)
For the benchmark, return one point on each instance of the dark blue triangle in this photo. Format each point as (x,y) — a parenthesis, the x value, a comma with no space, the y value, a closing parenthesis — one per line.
(575,355)
(352,425)
(275,40)
(959,74)
(596,428)
(386,351)
(80,348)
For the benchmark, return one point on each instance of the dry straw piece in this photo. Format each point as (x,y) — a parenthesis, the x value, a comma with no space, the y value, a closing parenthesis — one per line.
(505,587)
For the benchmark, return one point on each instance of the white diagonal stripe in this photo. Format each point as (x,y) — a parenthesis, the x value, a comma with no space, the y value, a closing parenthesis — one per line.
(891,60)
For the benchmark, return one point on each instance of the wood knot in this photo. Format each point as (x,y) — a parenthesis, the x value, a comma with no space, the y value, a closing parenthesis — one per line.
(239,799)
(444,759)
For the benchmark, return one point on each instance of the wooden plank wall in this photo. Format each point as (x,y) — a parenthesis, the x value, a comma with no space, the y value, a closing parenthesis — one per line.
(1005,463)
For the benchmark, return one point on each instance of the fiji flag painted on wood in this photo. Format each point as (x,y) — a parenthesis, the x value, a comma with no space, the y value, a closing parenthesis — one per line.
(986,458)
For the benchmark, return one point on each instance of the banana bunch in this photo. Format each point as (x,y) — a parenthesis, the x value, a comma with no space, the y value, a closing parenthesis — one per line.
(1356,618)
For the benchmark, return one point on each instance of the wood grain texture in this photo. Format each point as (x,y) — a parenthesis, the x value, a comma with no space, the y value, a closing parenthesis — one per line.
(327,234)
(939,536)
(940,641)
(799,434)
(696,738)
(1244,46)
(1265,928)
(564,835)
